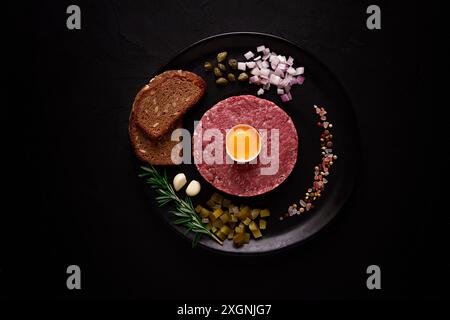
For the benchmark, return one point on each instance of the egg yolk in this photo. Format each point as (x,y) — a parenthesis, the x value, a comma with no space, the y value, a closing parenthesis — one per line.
(243,142)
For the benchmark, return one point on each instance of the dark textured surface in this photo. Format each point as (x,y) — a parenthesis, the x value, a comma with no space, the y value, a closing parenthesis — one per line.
(76,197)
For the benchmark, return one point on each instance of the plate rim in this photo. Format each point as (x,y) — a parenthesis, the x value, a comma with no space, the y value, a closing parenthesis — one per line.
(357,147)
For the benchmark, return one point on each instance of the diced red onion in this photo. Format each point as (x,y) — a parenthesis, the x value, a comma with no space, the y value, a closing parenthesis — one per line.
(263,80)
(265,72)
(254,79)
(270,68)
(274,79)
(278,72)
(300,70)
(251,64)
(284,97)
(255,71)
(290,61)
(260,48)
(300,79)
(291,71)
(249,55)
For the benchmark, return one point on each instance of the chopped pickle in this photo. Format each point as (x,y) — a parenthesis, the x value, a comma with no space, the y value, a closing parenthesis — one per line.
(256,233)
(218,223)
(226,203)
(262,224)
(225,217)
(217,198)
(204,213)
(239,239)
(228,221)
(254,213)
(225,230)
(217,212)
(212,205)
(264,213)
(221,235)
(252,226)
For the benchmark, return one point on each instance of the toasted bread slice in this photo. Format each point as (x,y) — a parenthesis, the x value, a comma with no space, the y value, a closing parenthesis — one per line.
(165,99)
(156,152)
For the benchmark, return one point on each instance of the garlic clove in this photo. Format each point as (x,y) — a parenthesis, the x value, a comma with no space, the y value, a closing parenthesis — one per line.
(179,181)
(193,188)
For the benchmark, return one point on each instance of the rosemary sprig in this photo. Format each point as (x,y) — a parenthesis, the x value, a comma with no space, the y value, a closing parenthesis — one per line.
(184,211)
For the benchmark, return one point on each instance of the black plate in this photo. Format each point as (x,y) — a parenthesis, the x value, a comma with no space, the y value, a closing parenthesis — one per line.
(320,88)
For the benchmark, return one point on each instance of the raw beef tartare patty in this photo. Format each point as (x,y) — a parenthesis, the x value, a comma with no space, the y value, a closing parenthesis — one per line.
(247,179)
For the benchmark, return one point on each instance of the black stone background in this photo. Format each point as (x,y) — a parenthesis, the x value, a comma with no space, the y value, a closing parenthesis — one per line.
(72,195)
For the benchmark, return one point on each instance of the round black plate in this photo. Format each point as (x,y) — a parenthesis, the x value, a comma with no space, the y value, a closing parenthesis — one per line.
(320,88)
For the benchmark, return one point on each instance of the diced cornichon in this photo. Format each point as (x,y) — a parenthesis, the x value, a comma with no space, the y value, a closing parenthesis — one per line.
(217,213)
(226,203)
(239,230)
(262,224)
(198,208)
(218,223)
(226,230)
(257,233)
(252,226)
(247,221)
(239,239)
(204,213)
(217,198)
(225,217)
(264,213)
(221,235)
(254,213)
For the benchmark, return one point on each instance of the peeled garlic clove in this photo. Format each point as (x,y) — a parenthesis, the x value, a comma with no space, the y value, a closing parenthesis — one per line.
(193,188)
(179,181)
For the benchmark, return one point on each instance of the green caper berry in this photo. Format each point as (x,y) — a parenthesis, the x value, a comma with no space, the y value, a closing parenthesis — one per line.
(222,67)
(222,56)
(217,72)
(231,77)
(233,63)
(208,66)
(222,81)
(243,77)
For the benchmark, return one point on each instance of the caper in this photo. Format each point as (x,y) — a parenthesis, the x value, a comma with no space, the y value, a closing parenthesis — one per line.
(231,77)
(233,63)
(208,66)
(222,56)
(222,81)
(222,67)
(243,77)
(217,72)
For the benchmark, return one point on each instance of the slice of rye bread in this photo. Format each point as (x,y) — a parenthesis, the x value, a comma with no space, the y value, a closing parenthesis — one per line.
(165,99)
(156,152)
